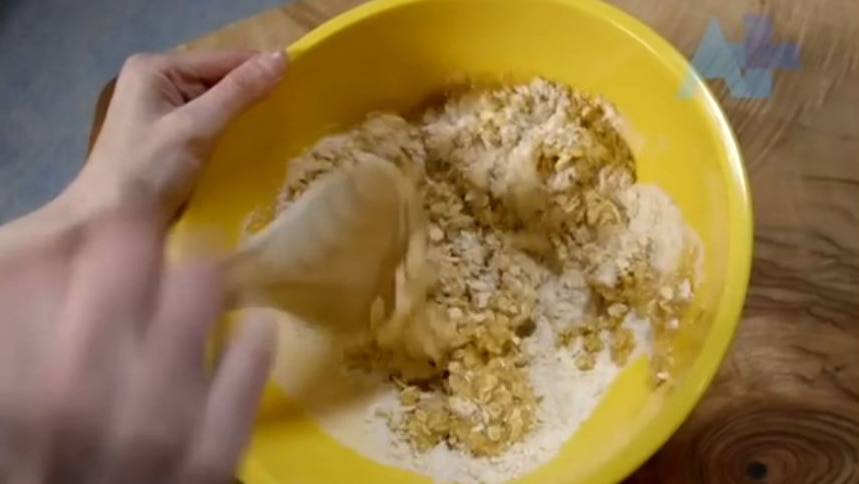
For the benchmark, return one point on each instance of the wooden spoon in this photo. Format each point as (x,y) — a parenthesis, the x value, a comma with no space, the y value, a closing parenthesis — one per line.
(334,252)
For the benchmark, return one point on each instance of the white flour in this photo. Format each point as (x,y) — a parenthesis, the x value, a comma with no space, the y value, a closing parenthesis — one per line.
(347,406)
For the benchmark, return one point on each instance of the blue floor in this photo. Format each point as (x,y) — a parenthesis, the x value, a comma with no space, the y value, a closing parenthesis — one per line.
(55,55)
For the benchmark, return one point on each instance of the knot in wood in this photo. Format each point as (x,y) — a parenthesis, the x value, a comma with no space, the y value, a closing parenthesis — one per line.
(778,444)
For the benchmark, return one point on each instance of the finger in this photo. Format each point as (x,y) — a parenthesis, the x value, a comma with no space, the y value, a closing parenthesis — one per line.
(191,302)
(237,91)
(193,73)
(142,73)
(232,403)
(109,300)
(210,67)
(159,413)
(205,66)
(161,406)
(155,427)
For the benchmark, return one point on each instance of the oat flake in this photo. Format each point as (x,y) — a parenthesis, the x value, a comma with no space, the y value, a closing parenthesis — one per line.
(551,267)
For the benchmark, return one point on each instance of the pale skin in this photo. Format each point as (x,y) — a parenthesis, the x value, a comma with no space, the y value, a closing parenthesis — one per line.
(102,372)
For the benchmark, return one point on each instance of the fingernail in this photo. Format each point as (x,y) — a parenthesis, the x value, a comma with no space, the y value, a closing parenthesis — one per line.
(275,61)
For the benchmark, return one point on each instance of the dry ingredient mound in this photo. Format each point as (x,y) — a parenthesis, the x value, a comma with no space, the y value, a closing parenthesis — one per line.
(550,268)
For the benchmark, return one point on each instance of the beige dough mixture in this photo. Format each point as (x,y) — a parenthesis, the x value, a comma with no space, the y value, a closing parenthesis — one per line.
(542,269)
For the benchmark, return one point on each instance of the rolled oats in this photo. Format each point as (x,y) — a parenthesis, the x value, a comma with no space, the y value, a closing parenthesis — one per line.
(520,185)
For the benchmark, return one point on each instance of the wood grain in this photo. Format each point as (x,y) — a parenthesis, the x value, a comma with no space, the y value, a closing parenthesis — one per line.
(785,406)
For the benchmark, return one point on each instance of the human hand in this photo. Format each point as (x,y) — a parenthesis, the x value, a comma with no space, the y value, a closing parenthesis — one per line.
(102,375)
(165,115)
(101,364)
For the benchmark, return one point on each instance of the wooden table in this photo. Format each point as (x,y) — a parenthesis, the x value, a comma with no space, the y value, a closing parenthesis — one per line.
(785,406)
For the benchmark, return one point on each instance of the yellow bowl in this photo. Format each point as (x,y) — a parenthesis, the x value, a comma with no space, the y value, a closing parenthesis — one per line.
(392,54)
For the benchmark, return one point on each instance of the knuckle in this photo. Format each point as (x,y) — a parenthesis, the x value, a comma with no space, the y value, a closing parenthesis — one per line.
(151,438)
(154,449)
(17,421)
(180,124)
(200,471)
(142,62)
(162,438)
(189,131)
(247,79)
(79,432)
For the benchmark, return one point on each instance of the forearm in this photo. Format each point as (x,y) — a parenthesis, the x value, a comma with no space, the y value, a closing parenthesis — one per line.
(55,221)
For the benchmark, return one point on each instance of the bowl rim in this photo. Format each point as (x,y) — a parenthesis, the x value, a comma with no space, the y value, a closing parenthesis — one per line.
(650,437)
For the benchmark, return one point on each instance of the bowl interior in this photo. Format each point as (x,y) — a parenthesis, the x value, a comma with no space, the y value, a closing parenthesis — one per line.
(392,55)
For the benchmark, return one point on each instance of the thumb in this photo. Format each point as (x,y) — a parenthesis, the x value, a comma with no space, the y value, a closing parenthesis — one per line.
(238,90)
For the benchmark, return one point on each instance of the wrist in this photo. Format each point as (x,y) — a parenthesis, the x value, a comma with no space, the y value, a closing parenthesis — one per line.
(54,224)
(98,192)
(63,222)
